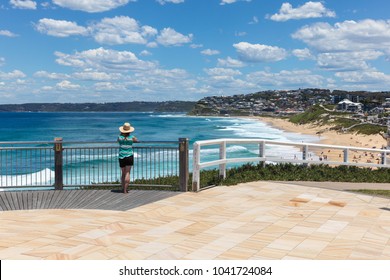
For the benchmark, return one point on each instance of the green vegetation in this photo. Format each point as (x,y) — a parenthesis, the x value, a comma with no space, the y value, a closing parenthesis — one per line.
(269,172)
(292,172)
(339,121)
(384,193)
(313,114)
(368,129)
(345,122)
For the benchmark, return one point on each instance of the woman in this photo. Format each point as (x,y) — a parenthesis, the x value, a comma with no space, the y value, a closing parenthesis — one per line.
(126,154)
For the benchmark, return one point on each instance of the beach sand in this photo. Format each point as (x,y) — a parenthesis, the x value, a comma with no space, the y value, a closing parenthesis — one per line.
(331,137)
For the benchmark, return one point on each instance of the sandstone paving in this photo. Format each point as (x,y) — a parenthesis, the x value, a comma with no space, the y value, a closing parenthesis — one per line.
(257,220)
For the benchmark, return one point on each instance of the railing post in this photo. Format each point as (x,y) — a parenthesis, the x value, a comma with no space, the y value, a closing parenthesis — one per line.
(384,159)
(222,155)
(305,153)
(195,168)
(183,164)
(58,164)
(346,151)
(262,152)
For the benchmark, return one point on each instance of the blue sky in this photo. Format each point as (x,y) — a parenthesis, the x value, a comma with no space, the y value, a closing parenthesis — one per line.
(156,50)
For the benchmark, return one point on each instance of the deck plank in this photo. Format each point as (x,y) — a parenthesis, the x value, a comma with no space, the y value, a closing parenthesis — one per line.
(55,200)
(29,197)
(47,199)
(95,195)
(65,197)
(10,200)
(24,200)
(14,200)
(34,199)
(44,199)
(3,202)
(79,199)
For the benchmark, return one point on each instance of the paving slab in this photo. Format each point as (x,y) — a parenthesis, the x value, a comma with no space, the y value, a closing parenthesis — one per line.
(256,220)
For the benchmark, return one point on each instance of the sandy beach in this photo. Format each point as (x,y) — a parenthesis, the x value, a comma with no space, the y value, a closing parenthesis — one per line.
(331,137)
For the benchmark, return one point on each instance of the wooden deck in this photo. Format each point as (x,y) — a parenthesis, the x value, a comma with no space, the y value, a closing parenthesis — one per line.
(79,199)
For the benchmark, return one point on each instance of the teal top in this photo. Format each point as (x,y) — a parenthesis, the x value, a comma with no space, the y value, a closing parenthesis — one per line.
(125,146)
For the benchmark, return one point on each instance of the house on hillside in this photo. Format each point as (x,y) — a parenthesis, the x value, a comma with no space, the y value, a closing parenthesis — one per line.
(386,104)
(348,105)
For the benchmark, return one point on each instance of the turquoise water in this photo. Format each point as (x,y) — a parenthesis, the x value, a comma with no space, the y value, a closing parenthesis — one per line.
(101,126)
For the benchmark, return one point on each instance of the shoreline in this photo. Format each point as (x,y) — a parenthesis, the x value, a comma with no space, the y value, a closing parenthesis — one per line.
(331,137)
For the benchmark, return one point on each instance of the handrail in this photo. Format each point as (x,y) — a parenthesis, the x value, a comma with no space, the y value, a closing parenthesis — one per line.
(306,149)
(80,142)
(60,163)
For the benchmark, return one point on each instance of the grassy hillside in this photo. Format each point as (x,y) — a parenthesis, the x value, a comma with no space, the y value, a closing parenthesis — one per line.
(339,121)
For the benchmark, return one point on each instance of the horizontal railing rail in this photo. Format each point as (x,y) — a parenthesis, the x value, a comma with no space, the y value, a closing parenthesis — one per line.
(57,164)
(262,150)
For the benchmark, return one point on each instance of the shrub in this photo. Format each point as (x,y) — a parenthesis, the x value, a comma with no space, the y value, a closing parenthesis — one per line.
(294,172)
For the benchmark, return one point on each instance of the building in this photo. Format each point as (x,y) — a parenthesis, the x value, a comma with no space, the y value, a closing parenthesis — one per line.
(348,105)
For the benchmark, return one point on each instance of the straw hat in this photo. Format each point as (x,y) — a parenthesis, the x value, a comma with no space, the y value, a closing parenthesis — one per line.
(126,128)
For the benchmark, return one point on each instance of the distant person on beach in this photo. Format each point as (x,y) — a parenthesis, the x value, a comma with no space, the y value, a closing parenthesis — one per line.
(126,154)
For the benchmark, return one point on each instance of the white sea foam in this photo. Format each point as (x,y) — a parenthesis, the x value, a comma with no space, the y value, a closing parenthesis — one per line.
(245,128)
(215,151)
(168,116)
(43,177)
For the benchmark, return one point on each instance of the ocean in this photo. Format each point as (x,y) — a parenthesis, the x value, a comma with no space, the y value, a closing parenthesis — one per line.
(103,126)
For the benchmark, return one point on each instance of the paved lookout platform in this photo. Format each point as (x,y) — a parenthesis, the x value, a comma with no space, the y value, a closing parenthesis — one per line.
(257,220)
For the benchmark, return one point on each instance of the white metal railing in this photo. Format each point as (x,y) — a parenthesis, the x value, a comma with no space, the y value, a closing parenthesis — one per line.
(299,153)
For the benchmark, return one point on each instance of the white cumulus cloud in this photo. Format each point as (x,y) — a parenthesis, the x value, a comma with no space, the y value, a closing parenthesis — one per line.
(222,72)
(259,53)
(109,87)
(23,4)
(60,28)
(307,10)
(105,59)
(16,74)
(230,62)
(209,52)
(224,2)
(67,85)
(96,76)
(114,31)
(347,61)
(91,6)
(122,30)
(368,77)
(51,76)
(347,36)
(163,2)
(286,79)
(303,54)
(7,33)
(170,37)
